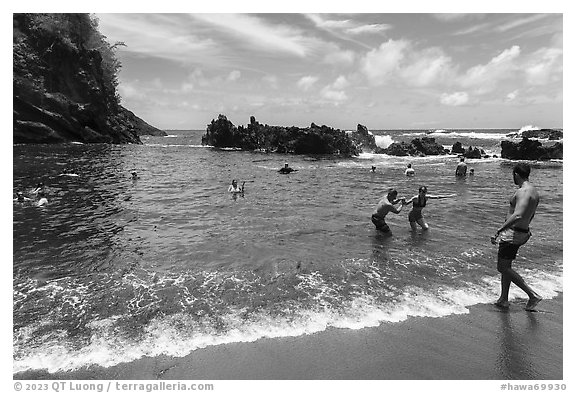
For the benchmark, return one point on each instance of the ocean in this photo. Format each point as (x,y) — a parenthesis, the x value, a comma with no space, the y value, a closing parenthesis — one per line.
(115,269)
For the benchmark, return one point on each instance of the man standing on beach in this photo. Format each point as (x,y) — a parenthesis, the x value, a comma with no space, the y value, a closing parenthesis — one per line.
(515,232)
(386,205)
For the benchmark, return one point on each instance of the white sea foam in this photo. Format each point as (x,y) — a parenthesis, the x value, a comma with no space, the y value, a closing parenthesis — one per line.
(383,141)
(179,334)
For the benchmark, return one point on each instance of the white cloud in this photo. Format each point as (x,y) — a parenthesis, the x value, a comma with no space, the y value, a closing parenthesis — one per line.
(544,66)
(486,77)
(340,57)
(233,76)
(368,29)
(306,82)
(259,34)
(430,66)
(380,64)
(340,83)
(334,95)
(455,99)
(512,95)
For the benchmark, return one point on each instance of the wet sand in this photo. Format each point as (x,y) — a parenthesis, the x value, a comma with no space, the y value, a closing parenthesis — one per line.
(485,344)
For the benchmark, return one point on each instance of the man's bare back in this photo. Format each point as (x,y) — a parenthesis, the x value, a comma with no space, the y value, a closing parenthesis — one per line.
(523,204)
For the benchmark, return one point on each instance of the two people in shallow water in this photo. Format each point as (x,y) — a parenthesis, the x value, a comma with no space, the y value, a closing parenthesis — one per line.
(387,205)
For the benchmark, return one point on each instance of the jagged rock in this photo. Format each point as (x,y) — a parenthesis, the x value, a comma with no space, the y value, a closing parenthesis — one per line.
(313,140)
(417,147)
(529,149)
(457,148)
(363,139)
(544,133)
(474,152)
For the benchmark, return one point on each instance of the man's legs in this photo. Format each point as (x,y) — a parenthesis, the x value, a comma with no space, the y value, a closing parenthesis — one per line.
(509,275)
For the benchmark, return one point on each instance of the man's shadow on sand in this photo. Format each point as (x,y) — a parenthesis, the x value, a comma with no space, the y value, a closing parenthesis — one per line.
(513,361)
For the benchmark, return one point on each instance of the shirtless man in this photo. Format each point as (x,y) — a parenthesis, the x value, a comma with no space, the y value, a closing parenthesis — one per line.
(461,168)
(515,232)
(386,205)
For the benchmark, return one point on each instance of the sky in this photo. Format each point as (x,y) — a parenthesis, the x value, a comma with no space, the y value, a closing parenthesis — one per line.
(181,70)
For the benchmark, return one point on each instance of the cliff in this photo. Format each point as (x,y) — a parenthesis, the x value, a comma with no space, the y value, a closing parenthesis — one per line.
(65,82)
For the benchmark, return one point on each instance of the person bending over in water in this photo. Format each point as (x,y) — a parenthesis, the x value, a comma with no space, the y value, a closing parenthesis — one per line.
(418,202)
(233,188)
(515,232)
(286,169)
(385,206)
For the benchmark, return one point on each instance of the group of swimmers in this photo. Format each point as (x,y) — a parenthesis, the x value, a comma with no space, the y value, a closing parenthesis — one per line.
(39,192)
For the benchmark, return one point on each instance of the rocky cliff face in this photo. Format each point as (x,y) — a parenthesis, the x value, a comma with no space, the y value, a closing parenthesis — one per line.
(65,83)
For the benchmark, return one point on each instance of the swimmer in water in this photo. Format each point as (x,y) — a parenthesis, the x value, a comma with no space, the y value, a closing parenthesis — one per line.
(42,200)
(286,169)
(409,171)
(234,189)
(20,198)
(418,202)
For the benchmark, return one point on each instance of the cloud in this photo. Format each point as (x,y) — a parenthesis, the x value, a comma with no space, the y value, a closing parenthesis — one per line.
(259,34)
(306,82)
(347,26)
(455,99)
(512,95)
(380,64)
(544,66)
(233,76)
(454,16)
(334,95)
(340,83)
(486,77)
(340,57)
(428,67)
(368,29)
(155,35)
(520,22)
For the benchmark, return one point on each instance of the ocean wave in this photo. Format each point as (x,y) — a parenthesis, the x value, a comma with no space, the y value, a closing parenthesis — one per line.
(181,333)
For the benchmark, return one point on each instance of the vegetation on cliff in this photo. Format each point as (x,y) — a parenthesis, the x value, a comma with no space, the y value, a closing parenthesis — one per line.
(255,136)
(65,83)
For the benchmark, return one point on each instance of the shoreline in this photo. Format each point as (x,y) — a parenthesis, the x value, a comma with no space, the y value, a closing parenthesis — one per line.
(485,344)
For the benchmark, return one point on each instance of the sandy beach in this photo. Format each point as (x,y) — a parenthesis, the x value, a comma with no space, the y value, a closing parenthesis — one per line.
(485,344)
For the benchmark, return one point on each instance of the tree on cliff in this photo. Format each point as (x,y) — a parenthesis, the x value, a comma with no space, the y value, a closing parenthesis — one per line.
(65,78)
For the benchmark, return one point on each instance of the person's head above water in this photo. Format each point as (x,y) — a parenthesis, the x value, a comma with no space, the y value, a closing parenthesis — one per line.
(392,194)
(286,165)
(423,190)
(409,165)
(234,182)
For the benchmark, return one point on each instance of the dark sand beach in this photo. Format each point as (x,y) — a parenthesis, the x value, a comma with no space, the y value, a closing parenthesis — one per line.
(485,344)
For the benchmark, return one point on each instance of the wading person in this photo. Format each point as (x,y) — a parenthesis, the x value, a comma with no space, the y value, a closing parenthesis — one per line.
(515,232)
(385,206)
(418,202)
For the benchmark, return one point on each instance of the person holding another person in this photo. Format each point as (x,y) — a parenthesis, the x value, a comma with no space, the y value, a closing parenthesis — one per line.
(418,203)
(409,171)
(461,168)
(385,206)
